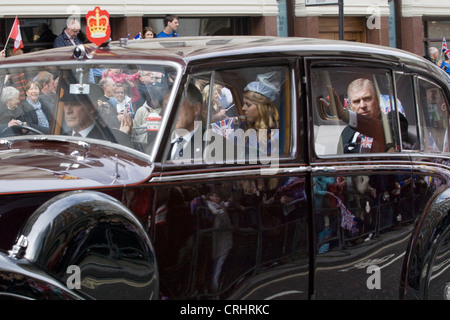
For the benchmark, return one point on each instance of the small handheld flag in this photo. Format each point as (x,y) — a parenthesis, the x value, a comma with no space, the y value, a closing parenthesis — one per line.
(223,127)
(16,35)
(432,146)
(366,142)
(348,220)
(444,49)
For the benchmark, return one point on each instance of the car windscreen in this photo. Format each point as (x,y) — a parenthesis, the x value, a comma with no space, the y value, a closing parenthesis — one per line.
(121,103)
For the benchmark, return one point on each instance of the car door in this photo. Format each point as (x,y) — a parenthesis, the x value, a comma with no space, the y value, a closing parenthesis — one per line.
(234,227)
(363,201)
(427,265)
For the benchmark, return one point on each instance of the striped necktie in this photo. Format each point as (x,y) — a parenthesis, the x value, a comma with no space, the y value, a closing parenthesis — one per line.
(178,149)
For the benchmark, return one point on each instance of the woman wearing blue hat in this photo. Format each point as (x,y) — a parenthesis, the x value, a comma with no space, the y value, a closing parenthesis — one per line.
(261,114)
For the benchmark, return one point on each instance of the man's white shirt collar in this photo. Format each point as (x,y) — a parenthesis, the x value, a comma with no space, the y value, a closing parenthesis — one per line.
(85,131)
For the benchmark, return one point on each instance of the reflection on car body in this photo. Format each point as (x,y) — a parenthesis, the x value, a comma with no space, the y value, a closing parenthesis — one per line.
(227,177)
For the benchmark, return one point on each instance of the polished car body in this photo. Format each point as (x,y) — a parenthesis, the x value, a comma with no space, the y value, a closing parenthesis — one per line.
(86,218)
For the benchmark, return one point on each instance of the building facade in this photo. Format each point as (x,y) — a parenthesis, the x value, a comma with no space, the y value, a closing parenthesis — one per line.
(412,25)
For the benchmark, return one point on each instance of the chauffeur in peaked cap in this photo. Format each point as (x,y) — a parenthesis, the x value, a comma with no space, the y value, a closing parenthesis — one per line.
(82,119)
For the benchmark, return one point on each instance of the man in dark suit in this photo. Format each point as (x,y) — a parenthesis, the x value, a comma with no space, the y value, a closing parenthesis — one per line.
(82,119)
(187,139)
(188,144)
(107,103)
(365,132)
(46,36)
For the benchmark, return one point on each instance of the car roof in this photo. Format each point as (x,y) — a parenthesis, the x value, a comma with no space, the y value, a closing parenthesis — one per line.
(184,50)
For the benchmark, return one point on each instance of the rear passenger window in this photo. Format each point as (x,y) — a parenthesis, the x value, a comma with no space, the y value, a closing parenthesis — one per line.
(404,84)
(354,111)
(433,117)
(244,116)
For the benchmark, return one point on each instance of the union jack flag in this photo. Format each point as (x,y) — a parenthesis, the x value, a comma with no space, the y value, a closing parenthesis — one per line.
(432,146)
(348,220)
(387,104)
(444,49)
(366,142)
(223,127)
(447,53)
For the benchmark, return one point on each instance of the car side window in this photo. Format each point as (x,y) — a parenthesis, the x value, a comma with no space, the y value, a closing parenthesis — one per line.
(244,116)
(354,111)
(404,84)
(433,117)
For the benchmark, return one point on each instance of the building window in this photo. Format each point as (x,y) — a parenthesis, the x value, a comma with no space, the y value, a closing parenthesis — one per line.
(435,30)
(203,26)
(38,34)
(354,28)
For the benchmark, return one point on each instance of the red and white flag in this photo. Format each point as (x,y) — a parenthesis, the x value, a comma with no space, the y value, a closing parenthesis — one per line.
(16,35)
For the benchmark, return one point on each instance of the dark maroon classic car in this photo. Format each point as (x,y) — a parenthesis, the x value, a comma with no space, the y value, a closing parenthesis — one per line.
(218,168)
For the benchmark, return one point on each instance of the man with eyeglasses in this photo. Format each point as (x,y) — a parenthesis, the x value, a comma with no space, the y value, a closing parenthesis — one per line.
(145,88)
(69,36)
